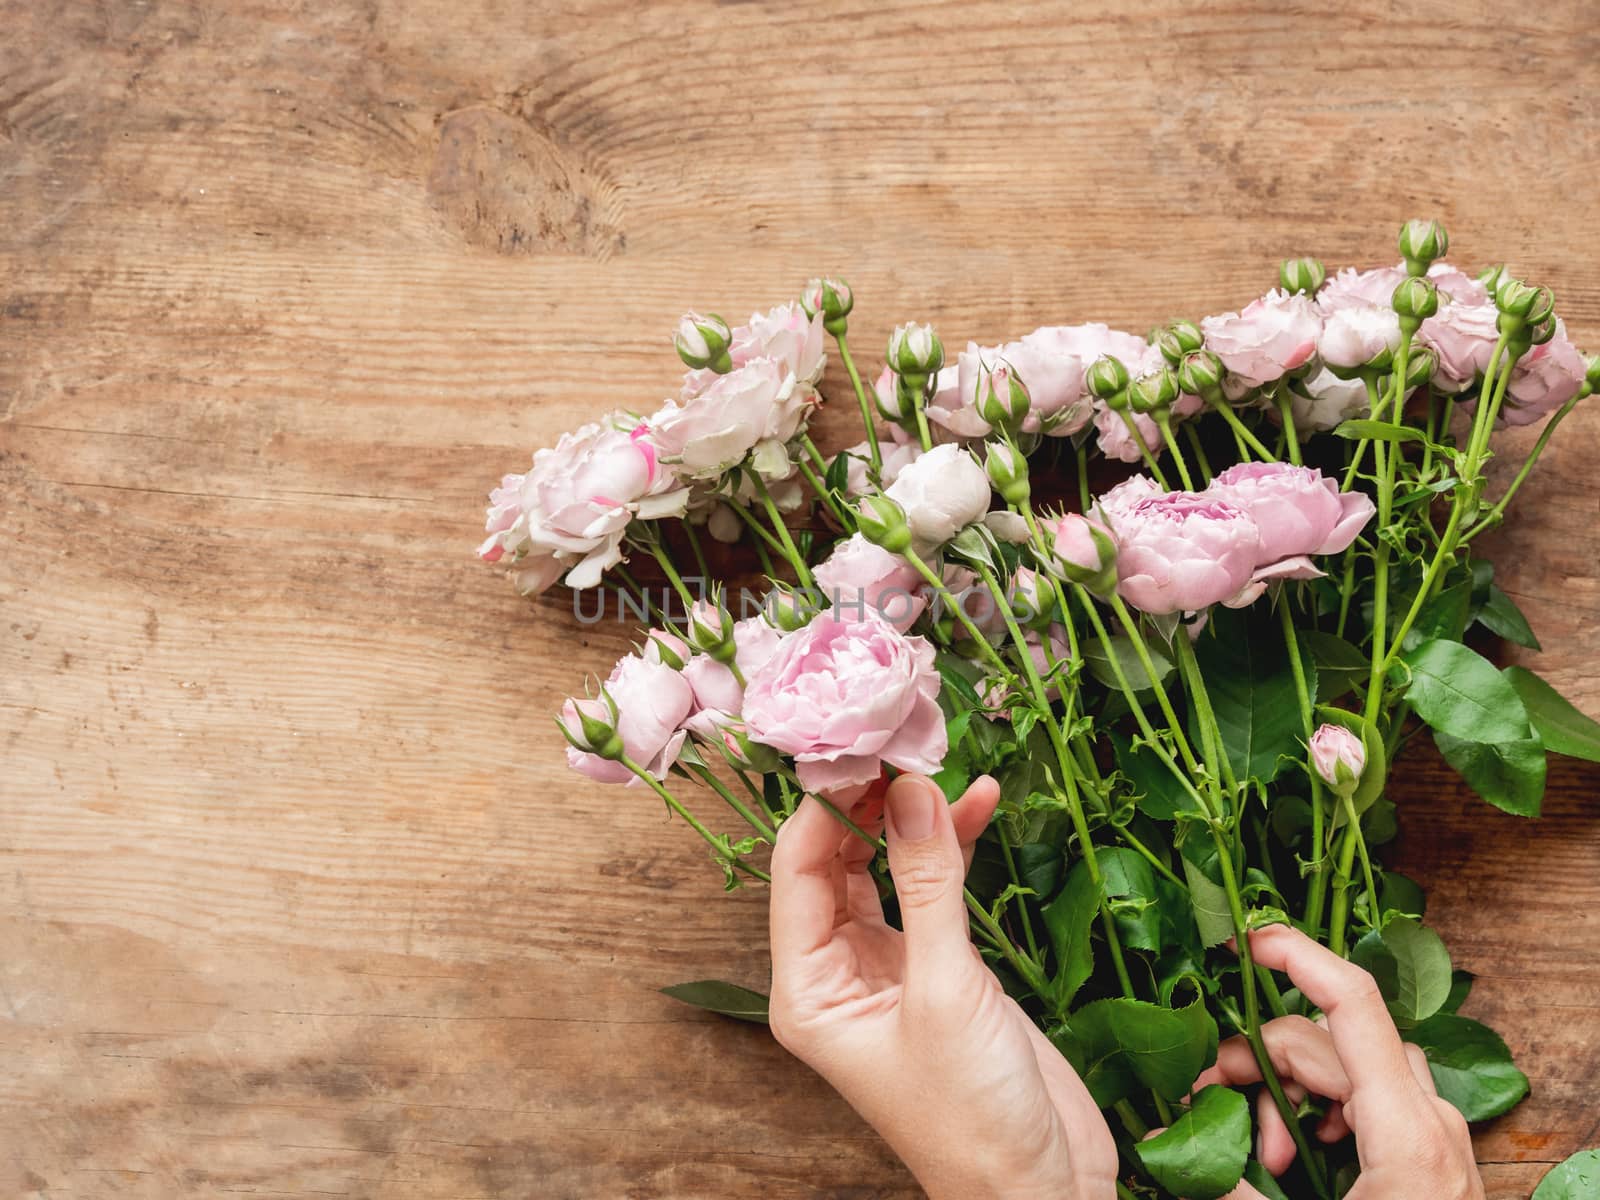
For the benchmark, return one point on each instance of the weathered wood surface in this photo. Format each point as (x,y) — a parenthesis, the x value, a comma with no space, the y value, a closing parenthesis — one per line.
(297,899)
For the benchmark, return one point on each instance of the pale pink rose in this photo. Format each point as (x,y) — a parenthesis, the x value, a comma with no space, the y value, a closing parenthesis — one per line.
(942,492)
(860,579)
(719,428)
(1117,441)
(950,410)
(1338,756)
(886,389)
(652,702)
(1109,506)
(660,643)
(1351,287)
(1031,593)
(1544,379)
(1051,362)
(1182,551)
(1354,334)
(1266,338)
(569,513)
(1456,286)
(896,450)
(1328,402)
(1298,511)
(784,334)
(718,695)
(1464,336)
(845,697)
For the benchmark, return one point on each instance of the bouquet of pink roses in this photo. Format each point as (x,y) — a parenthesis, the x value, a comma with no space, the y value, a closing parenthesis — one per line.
(1191,686)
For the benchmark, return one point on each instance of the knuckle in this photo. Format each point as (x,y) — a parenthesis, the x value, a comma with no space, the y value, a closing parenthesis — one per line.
(921,879)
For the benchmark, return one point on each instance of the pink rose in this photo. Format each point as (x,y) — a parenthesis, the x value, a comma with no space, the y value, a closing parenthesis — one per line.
(1111,505)
(1298,511)
(942,492)
(1182,551)
(896,452)
(860,579)
(716,430)
(1328,402)
(1351,287)
(652,702)
(1544,379)
(1265,339)
(845,697)
(1355,334)
(1117,441)
(784,334)
(950,410)
(569,513)
(1464,336)
(718,695)
(1338,756)
(1456,286)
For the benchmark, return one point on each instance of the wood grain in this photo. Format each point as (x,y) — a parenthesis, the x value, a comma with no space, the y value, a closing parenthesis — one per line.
(297,899)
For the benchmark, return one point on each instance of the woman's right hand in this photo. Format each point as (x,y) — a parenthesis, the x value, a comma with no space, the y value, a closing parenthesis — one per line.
(1410,1141)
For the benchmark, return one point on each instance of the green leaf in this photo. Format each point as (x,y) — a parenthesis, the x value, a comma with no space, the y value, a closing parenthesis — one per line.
(1119,1044)
(1509,775)
(1258,1177)
(1340,666)
(1444,616)
(1460,988)
(1099,663)
(1471,1065)
(1155,788)
(1576,1179)
(1562,727)
(1379,431)
(1130,884)
(1040,864)
(1500,615)
(838,472)
(1070,920)
(1202,1154)
(728,999)
(1401,894)
(1412,968)
(1247,676)
(1212,913)
(1458,691)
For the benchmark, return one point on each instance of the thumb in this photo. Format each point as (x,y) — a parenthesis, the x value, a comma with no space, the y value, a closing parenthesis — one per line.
(926,864)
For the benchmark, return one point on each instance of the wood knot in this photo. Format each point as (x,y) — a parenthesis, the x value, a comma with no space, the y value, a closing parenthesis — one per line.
(511,188)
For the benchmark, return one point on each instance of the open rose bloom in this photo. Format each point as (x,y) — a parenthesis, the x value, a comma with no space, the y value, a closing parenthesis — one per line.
(1188,597)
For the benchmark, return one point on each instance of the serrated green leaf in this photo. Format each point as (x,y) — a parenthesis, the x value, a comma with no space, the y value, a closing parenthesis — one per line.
(1070,920)
(1253,694)
(1509,775)
(1471,1065)
(1202,1154)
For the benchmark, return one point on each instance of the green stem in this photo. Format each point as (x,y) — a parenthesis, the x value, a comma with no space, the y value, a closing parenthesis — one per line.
(1082,455)
(959,611)
(1199,449)
(1318,884)
(694,548)
(1285,403)
(1163,420)
(790,550)
(1493,516)
(1387,457)
(1022,901)
(1339,918)
(719,844)
(735,803)
(818,463)
(825,494)
(1241,430)
(672,575)
(1144,451)
(866,407)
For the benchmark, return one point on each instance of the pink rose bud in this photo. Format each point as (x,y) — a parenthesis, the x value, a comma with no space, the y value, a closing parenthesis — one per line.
(1177,339)
(915,350)
(664,646)
(831,300)
(1008,472)
(1339,757)
(1003,399)
(1083,552)
(883,523)
(643,707)
(702,341)
(711,630)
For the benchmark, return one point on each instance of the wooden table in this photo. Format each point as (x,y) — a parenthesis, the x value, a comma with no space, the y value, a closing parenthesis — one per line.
(297,898)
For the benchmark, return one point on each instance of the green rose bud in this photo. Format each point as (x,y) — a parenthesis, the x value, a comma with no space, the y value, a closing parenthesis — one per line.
(830,297)
(1008,472)
(1002,399)
(1177,339)
(1541,333)
(1200,374)
(1592,377)
(1491,278)
(711,629)
(1420,366)
(883,523)
(702,341)
(1155,391)
(915,350)
(1515,298)
(1106,377)
(1415,300)
(1543,306)
(1421,242)
(787,609)
(1302,275)
(597,726)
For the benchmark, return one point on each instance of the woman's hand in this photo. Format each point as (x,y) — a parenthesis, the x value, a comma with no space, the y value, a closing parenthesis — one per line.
(912,1028)
(1410,1142)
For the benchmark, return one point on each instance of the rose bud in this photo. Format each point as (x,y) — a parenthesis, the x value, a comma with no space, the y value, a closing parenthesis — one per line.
(1106,377)
(597,727)
(940,494)
(1592,375)
(702,341)
(1421,366)
(1514,298)
(1003,399)
(1033,599)
(1302,275)
(1084,553)
(1177,339)
(1339,757)
(1543,307)
(1008,472)
(664,646)
(1538,335)
(1415,300)
(1153,392)
(1200,374)
(1420,243)
(787,609)
(883,523)
(915,350)
(891,400)
(711,630)
(831,298)
(641,714)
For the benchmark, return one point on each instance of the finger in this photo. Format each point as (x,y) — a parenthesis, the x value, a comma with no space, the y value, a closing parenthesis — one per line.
(1420,1068)
(1333,1127)
(1364,1036)
(972,813)
(1274,1142)
(863,902)
(925,862)
(1298,1049)
(802,906)
(1244,1192)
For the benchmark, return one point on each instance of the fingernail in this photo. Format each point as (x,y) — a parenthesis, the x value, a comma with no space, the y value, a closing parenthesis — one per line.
(911,808)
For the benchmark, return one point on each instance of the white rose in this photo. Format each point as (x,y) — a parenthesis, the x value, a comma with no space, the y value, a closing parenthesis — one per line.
(942,492)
